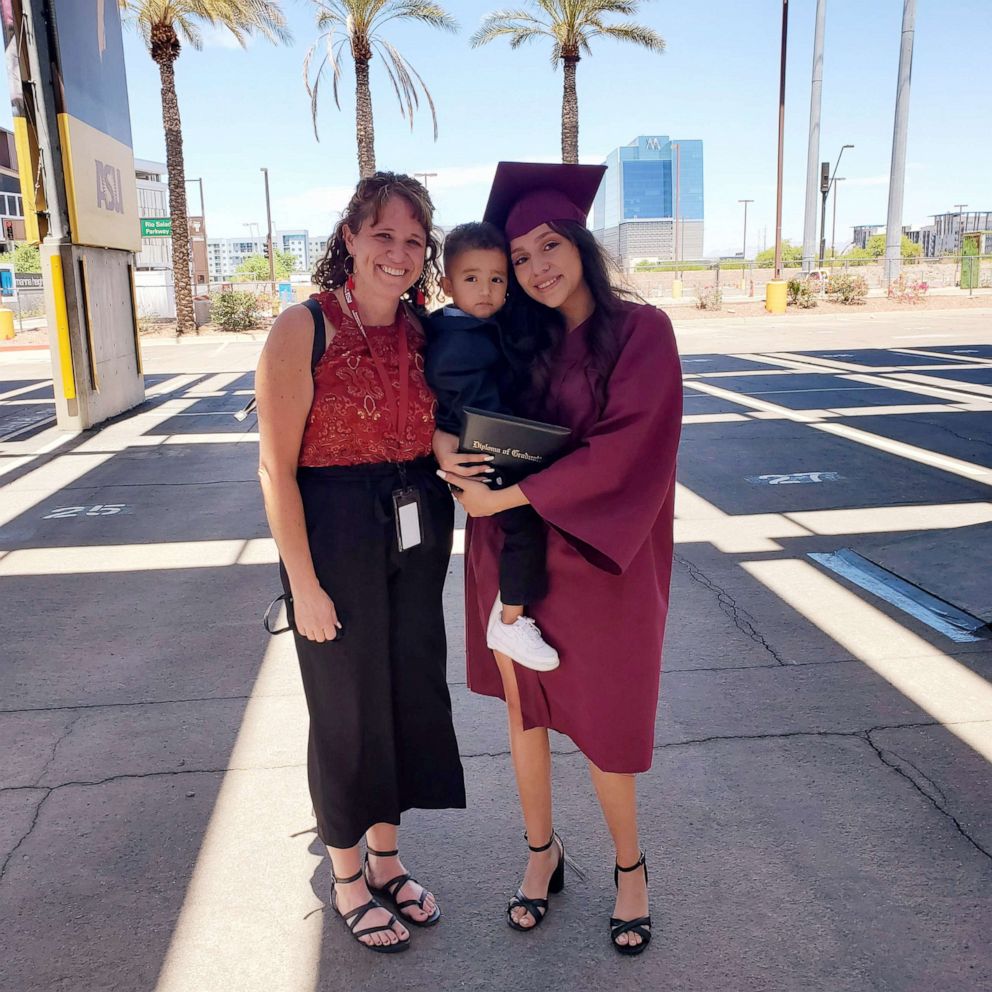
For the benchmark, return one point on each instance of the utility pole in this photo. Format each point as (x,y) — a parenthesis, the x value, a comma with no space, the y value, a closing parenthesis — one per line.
(960,209)
(744,251)
(813,151)
(900,130)
(959,247)
(272,257)
(203,223)
(425,176)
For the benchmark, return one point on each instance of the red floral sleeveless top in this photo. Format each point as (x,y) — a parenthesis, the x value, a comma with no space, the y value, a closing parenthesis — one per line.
(351,421)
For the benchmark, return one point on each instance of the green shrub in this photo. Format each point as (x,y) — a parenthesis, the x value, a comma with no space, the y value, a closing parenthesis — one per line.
(801,293)
(26,258)
(235,311)
(847,289)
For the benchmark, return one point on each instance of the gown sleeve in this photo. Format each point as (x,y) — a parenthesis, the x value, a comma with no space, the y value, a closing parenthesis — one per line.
(605,496)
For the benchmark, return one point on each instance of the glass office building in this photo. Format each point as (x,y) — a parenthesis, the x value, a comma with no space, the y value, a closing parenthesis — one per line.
(634,211)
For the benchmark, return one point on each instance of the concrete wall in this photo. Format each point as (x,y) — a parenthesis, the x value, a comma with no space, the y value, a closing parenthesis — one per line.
(155,294)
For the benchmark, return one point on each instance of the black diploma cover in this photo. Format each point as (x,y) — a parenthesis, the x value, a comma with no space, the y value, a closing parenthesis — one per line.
(518,446)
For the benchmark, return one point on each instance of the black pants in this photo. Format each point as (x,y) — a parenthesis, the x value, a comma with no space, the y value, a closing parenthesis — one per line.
(381,736)
(523,578)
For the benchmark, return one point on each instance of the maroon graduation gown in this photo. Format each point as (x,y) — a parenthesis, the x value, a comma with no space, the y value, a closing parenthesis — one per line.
(609,506)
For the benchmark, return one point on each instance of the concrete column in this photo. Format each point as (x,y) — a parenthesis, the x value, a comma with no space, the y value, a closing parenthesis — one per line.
(813,149)
(900,131)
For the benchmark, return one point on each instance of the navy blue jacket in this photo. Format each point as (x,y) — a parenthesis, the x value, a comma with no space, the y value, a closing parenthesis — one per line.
(466,365)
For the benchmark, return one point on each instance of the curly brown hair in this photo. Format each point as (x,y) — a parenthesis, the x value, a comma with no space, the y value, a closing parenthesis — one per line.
(365,205)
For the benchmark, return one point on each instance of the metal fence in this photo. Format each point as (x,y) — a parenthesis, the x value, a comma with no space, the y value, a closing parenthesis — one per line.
(968,272)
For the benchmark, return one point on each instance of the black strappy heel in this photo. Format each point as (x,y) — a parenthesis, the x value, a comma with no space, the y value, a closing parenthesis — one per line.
(352,919)
(393,886)
(538,907)
(619,927)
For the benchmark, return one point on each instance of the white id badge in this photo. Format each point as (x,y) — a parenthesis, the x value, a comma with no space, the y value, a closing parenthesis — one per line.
(406,507)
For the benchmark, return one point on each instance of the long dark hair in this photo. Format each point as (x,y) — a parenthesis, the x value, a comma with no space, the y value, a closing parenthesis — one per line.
(365,206)
(534,330)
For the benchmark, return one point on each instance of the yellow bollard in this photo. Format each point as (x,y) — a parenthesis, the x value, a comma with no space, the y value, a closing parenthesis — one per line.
(776,296)
(6,324)
(676,289)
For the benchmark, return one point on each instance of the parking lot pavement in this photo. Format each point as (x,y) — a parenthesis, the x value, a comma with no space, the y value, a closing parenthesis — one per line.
(818,812)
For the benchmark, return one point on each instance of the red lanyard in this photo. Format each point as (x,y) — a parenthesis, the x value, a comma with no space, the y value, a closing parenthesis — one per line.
(404,360)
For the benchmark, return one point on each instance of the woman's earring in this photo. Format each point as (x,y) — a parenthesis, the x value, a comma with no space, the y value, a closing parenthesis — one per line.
(350,272)
(421,299)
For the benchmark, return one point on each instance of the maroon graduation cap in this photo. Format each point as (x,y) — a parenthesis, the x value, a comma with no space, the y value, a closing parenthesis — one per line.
(527,194)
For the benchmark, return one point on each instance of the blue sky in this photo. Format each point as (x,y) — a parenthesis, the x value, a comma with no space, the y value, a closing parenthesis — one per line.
(717,81)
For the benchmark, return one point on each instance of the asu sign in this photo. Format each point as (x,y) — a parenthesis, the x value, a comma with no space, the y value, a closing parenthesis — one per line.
(95,125)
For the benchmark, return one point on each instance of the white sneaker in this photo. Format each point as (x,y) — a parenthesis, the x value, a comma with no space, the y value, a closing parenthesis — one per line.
(521,640)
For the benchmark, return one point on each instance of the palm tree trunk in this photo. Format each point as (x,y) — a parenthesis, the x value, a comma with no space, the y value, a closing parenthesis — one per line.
(569,112)
(364,129)
(177,197)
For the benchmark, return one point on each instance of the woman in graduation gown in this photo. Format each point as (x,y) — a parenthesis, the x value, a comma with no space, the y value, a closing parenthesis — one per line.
(612,375)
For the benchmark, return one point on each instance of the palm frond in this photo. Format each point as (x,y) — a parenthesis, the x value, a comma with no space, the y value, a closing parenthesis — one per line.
(430,99)
(242,18)
(515,26)
(634,33)
(405,80)
(417,10)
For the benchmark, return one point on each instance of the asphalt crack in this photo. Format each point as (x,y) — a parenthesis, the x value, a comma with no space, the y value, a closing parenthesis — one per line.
(741,619)
(27,833)
(55,748)
(944,427)
(937,799)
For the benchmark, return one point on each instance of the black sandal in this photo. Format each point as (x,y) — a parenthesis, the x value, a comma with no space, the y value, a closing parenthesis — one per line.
(539,907)
(393,886)
(352,919)
(619,927)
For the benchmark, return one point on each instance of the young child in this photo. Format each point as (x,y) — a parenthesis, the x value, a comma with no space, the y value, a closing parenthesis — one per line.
(467,365)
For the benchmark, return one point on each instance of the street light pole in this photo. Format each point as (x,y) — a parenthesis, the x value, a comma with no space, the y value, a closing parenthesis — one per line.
(272,257)
(744,252)
(826,183)
(833,229)
(824,193)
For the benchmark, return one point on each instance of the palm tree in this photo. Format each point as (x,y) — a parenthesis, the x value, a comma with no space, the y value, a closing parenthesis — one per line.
(162,24)
(357,23)
(571,25)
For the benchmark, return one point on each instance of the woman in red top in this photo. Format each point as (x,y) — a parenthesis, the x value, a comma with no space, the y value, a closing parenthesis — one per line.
(364,527)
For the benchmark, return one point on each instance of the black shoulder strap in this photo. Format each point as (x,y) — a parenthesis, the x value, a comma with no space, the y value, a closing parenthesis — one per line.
(319,336)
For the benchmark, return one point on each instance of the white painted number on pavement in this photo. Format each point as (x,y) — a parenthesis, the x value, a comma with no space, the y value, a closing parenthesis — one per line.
(98,510)
(795,479)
